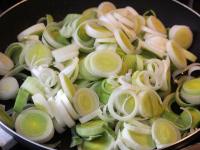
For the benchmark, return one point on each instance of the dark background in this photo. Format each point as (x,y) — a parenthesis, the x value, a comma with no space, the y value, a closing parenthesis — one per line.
(4,4)
(195,4)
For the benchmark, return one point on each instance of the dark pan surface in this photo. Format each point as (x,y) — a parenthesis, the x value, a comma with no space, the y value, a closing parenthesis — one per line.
(28,12)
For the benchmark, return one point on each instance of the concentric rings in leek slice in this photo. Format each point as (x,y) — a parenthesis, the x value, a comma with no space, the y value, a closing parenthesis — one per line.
(176,54)
(91,128)
(124,42)
(85,101)
(164,133)
(35,125)
(192,86)
(137,140)
(195,113)
(182,35)
(37,54)
(150,104)
(105,63)
(155,24)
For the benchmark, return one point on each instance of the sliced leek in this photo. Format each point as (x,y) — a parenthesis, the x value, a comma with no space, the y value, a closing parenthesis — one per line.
(6,64)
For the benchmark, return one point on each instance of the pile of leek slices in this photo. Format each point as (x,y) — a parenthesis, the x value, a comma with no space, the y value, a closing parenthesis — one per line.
(110,75)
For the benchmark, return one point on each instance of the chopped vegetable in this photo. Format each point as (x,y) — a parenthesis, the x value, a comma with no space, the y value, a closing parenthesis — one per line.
(6,64)
(34,124)
(8,88)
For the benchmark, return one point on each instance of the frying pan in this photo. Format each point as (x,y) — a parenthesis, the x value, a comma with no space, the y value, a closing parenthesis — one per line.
(26,13)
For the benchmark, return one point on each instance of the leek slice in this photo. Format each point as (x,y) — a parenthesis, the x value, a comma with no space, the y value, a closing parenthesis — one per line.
(137,140)
(33,86)
(6,119)
(176,55)
(8,88)
(104,142)
(164,127)
(123,104)
(85,101)
(150,104)
(37,54)
(14,51)
(104,8)
(41,103)
(190,91)
(67,85)
(155,24)
(129,62)
(33,30)
(65,53)
(63,113)
(96,30)
(67,104)
(91,128)
(182,35)
(105,63)
(21,100)
(6,64)
(84,72)
(69,25)
(35,125)
(195,113)
(124,42)
(52,37)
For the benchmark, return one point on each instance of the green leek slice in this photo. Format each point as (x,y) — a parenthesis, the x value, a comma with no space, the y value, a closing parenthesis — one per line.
(6,119)
(35,125)
(195,113)
(164,133)
(91,128)
(21,100)
(33,86)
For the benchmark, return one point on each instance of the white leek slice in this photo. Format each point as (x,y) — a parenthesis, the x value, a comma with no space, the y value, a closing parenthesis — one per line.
(8,88)
(46,75)
(123,101)
(109,47)
(35,125)
(67,85)
(6,64)
(58,127)
(132,10)
(157,43)
(165,133)
(153,32)
(67,104)
(182,35)
(138,129)
(54,109)
(105,63)
(62,111)
(129,32)
(176,55)
(137,140)
(37,54)
(124,42)
(104,8)
(41,103)
(95,30)
(124,20)
(85,101)
(65,53)
(89,117)
(150,104)
(155,24)
(35,29)
(192,86)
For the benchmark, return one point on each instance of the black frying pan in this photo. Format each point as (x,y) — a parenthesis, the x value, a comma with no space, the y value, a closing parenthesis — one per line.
(27,13)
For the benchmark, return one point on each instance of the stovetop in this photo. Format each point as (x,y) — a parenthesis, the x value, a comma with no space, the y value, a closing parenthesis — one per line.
(195,4)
